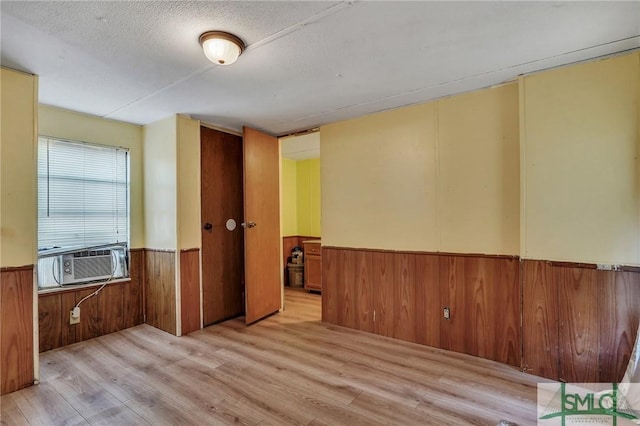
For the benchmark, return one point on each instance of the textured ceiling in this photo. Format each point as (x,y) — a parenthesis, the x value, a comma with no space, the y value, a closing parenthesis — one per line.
(307,63)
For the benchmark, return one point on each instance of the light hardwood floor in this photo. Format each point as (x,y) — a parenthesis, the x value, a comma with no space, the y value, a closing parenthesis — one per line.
(287,369)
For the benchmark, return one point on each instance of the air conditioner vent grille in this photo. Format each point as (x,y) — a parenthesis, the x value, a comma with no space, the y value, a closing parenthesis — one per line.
(94,266)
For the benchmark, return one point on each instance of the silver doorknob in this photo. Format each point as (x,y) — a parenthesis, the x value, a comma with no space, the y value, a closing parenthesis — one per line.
(248,224)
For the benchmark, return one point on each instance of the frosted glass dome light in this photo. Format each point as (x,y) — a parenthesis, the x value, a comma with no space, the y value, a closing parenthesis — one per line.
(221,48)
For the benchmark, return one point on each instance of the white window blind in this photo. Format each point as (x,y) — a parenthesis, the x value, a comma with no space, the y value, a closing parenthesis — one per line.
(83,194)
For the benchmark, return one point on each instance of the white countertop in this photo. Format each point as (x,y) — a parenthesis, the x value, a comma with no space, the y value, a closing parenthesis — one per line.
(312,242)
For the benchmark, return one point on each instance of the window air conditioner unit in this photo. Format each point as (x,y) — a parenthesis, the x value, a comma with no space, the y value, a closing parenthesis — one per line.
(91,265)
(86,265)
(67,266)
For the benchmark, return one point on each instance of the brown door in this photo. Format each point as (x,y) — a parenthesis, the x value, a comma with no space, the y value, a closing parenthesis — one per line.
(262,243)
(222,248)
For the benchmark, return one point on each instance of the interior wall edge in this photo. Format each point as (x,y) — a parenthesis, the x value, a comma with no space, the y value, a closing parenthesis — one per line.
(638,152)
(522,124)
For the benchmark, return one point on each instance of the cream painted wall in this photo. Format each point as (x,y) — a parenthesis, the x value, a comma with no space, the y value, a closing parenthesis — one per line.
(379,180)
(479,172)
(580,144)
(308,191)
(288,190)
(172,190)
(160,189)
(64,124)
(441,176)
(18,148)
(315,188)
(188,152)
(301,202)
(303,198)
(450,176)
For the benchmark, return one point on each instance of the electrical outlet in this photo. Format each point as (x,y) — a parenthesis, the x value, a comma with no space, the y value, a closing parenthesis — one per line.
(446,313)
(74,316)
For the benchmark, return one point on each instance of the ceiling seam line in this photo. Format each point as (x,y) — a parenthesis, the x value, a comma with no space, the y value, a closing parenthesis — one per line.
(299,25)
(275,36)
(463,79)
(162,89)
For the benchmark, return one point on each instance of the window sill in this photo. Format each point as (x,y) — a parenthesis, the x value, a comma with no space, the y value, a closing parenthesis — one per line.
(77,287)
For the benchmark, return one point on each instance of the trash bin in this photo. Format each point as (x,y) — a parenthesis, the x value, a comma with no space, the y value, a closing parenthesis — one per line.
(296,274)
(296,255)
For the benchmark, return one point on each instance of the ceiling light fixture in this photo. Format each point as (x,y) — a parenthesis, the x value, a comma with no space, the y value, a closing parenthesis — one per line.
(221,48)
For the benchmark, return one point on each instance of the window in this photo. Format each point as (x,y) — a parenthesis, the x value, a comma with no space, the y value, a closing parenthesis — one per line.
(83,203)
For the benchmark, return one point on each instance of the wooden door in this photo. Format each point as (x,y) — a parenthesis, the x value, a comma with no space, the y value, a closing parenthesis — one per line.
(222,249)
(262,244)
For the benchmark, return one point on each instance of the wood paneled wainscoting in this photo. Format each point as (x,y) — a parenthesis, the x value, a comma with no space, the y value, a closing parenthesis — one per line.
(16,328)
(405,295)
(118,306)
(160,289)
(190,290)
(579,323)
(150,292)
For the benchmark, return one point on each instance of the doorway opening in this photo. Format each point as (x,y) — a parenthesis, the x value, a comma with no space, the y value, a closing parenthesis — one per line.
(301,219)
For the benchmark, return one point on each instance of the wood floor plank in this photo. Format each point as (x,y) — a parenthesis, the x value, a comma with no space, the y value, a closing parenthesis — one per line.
(125,387)
(159,409)
(119,415)
(501,403)
(219,396)
(43,405)
(286,373)
(185,347)
(92,403)
(266,394)
(382,384)
(381,407)
(290,369)
(168,386)
(10,414)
